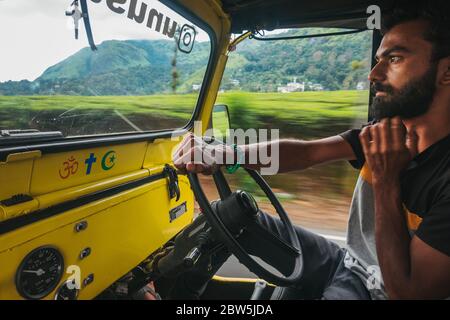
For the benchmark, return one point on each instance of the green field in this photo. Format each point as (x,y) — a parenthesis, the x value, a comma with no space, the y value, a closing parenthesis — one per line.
(302,113)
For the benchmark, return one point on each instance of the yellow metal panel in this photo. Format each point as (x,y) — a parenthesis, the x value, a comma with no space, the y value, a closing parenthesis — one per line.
(160,152)
(15,178)
(34,230)
(234,279)
(211,12)
(63,170)
(214,86)
(18,209)
(27,155)
(133,225)
(50,199)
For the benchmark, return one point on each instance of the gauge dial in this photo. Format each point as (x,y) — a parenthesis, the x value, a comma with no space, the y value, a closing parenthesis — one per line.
(39,273)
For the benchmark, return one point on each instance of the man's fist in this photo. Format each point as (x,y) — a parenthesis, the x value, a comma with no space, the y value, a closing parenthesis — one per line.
(388,148)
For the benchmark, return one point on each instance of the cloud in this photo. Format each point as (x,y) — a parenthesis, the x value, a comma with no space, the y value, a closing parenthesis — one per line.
(42,38)
(30,7)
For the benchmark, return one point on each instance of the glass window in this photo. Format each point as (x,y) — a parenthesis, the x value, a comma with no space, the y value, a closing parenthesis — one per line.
(307,89)
(145,75)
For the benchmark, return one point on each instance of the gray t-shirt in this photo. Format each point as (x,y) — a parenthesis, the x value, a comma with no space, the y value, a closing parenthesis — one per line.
(361,257)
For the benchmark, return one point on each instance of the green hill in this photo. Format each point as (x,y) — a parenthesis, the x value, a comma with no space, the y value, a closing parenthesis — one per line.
(113,56)
(143,67)
(337,63)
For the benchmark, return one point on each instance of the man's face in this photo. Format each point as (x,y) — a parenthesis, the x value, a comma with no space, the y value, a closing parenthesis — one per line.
(404,79)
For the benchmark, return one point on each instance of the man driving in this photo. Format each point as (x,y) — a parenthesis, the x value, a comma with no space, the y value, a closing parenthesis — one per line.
(398,240)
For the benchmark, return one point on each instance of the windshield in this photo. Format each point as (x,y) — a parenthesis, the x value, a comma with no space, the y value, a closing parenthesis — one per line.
(145,74)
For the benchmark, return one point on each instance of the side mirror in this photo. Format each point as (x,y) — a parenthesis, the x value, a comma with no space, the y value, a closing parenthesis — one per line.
(220,122)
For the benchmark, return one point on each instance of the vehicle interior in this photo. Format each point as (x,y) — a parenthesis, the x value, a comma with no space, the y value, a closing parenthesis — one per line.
(90,212)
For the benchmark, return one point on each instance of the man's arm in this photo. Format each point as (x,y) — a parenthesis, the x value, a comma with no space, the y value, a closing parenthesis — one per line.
(299,154)
(411,269)
(293,154)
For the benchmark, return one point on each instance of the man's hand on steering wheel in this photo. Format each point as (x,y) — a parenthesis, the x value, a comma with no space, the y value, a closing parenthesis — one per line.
(195,155)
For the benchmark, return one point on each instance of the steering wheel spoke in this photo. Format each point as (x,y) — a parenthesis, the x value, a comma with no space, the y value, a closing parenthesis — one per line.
(222,185)
(263,234)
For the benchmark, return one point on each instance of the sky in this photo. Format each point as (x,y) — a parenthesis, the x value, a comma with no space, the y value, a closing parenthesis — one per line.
(36,34)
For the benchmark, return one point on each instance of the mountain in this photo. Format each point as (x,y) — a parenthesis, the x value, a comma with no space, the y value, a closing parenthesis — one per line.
(112,56)
(142,67)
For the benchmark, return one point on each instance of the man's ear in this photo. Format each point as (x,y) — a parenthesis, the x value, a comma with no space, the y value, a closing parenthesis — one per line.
(445,79)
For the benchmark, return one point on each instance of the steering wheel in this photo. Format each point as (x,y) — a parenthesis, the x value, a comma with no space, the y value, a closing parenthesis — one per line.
(237,213)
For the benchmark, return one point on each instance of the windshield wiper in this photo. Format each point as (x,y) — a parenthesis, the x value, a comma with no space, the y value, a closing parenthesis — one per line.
(76,14)
(8,137)
(87,24)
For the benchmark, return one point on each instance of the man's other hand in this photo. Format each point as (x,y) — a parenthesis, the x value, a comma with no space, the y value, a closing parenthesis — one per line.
(388,149)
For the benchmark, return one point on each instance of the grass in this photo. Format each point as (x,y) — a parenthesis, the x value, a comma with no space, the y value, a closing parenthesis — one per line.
(291,106)
(283,107)
(165,104)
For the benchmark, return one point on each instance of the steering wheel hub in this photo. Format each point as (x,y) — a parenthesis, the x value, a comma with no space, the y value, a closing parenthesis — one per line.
(248,202)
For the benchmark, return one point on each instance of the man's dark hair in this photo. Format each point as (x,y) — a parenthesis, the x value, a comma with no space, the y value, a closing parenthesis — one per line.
(435,12)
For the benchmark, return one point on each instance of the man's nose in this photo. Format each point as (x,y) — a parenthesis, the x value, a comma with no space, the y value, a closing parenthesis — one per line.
(378,73)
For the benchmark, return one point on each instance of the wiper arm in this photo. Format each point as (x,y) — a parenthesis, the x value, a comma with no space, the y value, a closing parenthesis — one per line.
(87,24)
(8,137)
(76,14)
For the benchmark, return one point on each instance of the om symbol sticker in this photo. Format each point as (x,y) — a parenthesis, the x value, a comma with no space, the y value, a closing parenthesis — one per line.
(69,168)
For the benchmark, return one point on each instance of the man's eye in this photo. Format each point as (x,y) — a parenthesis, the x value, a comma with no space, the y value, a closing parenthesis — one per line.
(394,59)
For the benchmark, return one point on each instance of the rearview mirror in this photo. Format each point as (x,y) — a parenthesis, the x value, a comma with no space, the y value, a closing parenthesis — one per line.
(220,121)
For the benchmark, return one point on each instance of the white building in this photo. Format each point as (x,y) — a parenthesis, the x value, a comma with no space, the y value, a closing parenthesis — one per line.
(316,87)
(235,82)
(292,87)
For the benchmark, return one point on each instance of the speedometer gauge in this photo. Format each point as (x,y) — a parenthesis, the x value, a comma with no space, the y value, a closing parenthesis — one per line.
(39,273)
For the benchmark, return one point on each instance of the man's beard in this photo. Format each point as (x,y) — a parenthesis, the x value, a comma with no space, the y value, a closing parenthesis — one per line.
(413,100)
